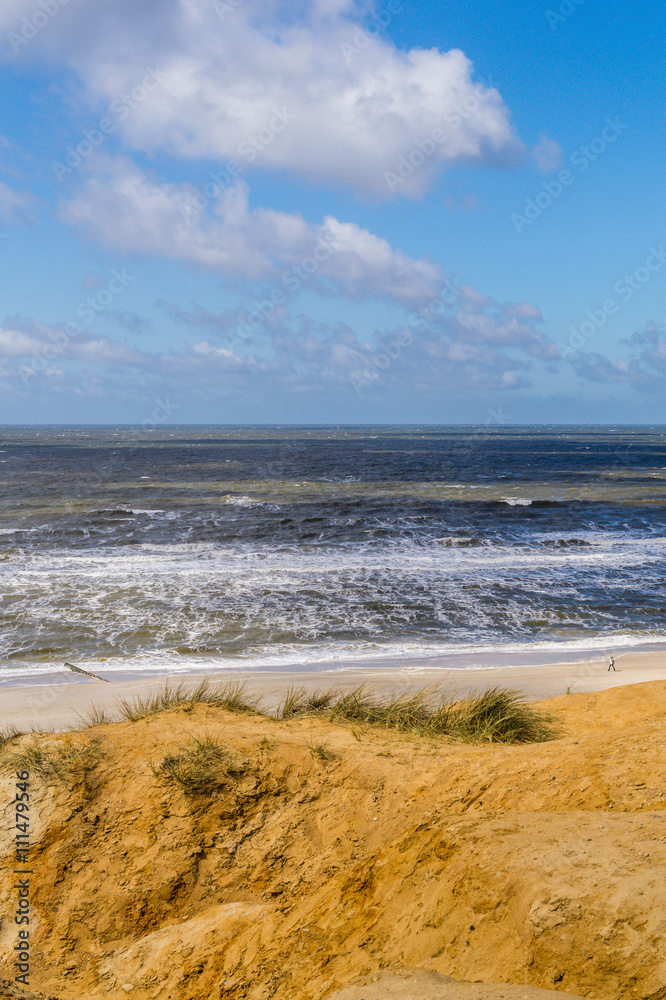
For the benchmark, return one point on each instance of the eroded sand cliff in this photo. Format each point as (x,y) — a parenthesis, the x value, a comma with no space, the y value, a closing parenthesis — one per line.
(542,866)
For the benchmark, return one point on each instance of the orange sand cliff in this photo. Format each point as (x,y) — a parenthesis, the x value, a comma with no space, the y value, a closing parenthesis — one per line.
(538,865)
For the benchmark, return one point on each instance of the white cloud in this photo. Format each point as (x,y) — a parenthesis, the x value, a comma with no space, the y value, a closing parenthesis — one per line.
(547,154)
(644,368)
(39,343)
(131,213)
(477,343)
(501,326)
(481,345)
(313,93)
(13,205)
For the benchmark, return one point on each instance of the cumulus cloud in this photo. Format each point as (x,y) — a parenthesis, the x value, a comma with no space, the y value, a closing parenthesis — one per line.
(37,343)
(473,342)
(318,93)
(128,211)
(482,321)
(643,368)
(477,345)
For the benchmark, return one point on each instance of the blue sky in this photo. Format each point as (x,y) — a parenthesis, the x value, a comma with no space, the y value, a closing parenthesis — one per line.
(328,212)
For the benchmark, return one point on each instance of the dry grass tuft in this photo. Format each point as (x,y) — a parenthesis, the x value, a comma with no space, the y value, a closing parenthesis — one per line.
(7,734)
(298,702)
(403,712)
(496,715)
(230,696)
(321,750)
(96,715)
(56,762)
(201,766)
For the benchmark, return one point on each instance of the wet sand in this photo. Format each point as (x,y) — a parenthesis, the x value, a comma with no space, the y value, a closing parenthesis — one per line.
(61,705)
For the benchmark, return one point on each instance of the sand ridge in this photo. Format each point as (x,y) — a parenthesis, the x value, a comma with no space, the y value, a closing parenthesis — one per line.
(540,866)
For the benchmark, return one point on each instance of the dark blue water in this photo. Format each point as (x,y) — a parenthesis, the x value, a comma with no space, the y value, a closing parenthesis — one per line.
(129,549)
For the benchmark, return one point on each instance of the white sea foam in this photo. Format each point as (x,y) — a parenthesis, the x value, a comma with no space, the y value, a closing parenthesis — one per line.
(405,656)
(242,501)
(264,606)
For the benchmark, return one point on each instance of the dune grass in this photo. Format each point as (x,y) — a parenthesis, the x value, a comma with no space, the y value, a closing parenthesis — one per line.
(55,761)
(321,750)
(297,701)
(7,734)
(231,697)
(97,715)
(201,766)
(496,715)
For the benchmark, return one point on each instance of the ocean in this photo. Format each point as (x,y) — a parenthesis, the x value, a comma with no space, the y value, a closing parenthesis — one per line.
(138,551)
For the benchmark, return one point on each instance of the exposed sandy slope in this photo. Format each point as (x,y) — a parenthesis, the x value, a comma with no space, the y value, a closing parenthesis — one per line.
(415,984)
(542,866)
(10,991)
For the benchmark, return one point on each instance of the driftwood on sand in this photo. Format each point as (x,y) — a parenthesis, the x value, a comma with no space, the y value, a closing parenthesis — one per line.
(86,673)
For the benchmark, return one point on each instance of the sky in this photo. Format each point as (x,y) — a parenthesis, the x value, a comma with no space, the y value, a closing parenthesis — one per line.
(241,211)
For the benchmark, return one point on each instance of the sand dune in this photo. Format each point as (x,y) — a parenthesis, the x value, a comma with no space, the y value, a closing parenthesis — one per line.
(533,867)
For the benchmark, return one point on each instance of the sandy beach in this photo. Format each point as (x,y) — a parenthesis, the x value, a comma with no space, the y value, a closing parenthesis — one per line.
(60,706)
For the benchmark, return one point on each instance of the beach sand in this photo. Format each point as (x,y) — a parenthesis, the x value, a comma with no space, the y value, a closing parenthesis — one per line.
(60,706)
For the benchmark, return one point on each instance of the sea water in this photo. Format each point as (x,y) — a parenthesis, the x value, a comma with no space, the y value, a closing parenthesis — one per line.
(141,550)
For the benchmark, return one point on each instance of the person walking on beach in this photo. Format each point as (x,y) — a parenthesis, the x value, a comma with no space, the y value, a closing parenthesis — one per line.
(611,663)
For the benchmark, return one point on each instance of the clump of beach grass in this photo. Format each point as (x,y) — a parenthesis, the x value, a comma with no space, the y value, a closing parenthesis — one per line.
(200,767)
(7,734)
(321,751)
(96,715)
(231,697)
(60,761)
(402,712)
(297,701)
(496,715)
